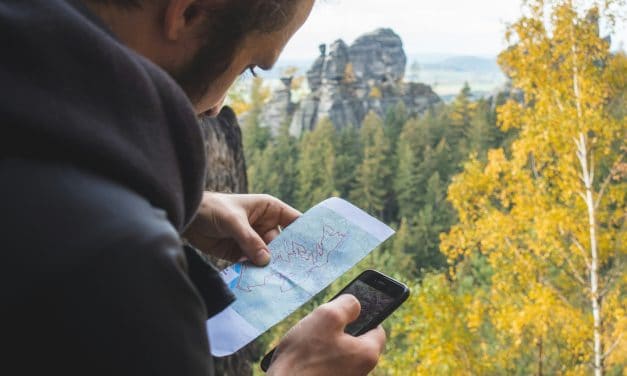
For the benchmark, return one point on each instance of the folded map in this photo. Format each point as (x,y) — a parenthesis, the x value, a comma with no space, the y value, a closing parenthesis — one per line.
(307,256)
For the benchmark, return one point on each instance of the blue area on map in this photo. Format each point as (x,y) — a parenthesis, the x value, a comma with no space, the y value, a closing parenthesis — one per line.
(237,268)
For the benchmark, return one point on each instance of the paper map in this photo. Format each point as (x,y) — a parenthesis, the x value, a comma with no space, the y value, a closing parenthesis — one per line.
(306,257)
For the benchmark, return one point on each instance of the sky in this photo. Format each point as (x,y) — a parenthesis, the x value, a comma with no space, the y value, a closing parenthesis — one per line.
(447,27)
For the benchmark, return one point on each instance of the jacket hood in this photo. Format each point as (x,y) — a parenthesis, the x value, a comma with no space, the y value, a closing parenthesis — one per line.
(71,92)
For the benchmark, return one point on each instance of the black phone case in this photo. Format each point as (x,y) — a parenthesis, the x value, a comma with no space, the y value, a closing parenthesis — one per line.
(267,359)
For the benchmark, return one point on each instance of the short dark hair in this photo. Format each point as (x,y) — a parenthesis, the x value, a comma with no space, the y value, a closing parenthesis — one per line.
(255,15)
(227,26)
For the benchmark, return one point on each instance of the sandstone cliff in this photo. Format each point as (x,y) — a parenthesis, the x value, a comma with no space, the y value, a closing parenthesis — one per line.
(346,82)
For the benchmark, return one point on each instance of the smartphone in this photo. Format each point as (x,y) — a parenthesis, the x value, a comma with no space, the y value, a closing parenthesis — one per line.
(379,296)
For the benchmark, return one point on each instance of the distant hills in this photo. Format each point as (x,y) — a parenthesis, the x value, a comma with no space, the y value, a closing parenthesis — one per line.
(464,64)
(448,73)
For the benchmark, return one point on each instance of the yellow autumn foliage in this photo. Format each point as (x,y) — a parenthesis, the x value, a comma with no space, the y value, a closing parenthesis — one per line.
(534,287)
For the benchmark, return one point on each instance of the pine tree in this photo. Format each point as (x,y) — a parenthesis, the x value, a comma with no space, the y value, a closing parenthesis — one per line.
(286,168)
(408,185)
(434,217)
(462,112)
(347,161)
(373,175)
(483,134)
(316,165)
(261,177)
(395,119)
(274,170)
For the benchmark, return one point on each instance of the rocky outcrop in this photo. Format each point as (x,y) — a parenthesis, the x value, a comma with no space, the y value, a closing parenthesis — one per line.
(280,108)
(226,167)
(346,82)
(378,57)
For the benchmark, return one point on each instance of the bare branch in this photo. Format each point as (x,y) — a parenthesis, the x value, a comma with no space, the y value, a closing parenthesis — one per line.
(555,290)
(612,346)
(584,254)
(607,181)
(574,272)
(613,276)
(534,168)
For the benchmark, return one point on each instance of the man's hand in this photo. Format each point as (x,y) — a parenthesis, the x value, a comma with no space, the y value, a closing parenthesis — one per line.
(317,345)
(233,227)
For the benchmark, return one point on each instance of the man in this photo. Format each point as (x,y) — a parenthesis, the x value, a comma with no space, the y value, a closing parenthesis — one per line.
(101,172)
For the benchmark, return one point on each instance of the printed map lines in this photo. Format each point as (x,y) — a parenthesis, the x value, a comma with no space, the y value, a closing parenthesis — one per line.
(295,256)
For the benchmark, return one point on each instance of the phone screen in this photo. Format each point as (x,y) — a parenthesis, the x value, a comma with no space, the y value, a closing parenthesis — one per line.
(373,302)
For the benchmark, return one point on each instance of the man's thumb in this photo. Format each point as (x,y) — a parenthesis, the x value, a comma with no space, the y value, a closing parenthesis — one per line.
(252,245)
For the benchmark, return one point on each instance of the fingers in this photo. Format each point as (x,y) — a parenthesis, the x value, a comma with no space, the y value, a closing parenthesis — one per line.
(251,221)
(369,347)
(374,339)
(268,212)
(270,235)
(339,312)
(265,214)
(287,214)
(251,244)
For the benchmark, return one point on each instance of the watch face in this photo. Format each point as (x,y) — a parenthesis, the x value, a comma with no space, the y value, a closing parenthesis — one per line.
(373,302)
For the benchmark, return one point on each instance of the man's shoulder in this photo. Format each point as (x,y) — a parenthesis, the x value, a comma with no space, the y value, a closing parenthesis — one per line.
(57,209)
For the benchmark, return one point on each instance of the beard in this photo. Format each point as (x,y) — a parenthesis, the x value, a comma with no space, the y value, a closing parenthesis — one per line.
(208,64)
(224,35)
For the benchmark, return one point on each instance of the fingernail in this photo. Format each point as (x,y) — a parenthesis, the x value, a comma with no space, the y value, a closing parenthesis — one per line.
(262,257)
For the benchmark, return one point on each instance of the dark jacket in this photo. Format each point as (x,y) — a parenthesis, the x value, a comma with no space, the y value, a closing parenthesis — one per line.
(101,168)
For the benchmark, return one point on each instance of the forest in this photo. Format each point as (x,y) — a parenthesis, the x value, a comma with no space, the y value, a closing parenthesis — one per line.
(509,210)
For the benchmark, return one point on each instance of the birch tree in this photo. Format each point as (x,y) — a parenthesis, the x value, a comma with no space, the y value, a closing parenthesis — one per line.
(549,214)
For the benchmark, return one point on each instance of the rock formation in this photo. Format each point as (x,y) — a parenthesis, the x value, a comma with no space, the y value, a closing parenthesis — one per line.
(280,107)
(346,82)
(379,57)
(226,167)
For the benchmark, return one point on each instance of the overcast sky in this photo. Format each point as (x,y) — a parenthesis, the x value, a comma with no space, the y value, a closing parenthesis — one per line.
(459,27)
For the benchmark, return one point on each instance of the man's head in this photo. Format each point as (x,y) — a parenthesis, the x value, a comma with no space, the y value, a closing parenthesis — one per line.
(205,44)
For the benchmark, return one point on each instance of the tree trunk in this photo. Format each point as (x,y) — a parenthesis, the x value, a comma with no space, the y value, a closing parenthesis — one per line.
(540,359)
(595,297)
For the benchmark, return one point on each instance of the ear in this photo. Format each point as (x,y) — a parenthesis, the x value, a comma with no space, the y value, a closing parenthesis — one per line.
(183,17)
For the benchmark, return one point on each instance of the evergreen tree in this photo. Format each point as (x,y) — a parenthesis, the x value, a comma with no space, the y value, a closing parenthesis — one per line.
(407,181)
(316,165)
(373,175)
(286,157)
(434,218)
(347,161)
(395,119)
(482,133)
(462,111)
(274,170)
(261,176)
